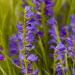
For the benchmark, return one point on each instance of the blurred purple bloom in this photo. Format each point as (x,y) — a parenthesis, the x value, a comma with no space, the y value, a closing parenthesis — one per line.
(27,8)
(21,57)
(30,46)
(32,57)
(2,57)
(19,27)
(60,47)
(51,21)
(65,69)
(35,71)
(59,69)
(16,61)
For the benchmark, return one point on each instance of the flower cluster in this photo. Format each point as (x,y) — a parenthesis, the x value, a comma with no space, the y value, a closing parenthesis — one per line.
(38,36)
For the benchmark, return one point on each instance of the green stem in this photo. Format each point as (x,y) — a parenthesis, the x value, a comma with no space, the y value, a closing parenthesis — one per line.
(43,51)
(4,73)
(24,41)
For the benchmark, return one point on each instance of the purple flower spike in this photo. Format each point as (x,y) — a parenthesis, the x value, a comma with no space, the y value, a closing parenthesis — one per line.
(32,57)
(59,69)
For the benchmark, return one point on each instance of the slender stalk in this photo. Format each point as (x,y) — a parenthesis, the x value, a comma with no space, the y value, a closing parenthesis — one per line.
(24,41)
(4,73)
(43,51)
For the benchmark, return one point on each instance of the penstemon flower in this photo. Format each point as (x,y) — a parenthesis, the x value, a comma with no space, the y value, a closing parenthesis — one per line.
(43,45)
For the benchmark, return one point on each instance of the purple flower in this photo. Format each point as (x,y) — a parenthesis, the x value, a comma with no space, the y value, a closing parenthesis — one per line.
(65,69)
(69,41)
(27,8)
(62,31)
(51,41)
(51,31)
(13,48)
(59,57)
(16,61)
(72,23)
(72,18)
(29,68)
(32,57)
(19,27)
(52,21)
(30,38)
(59,69)
(21,57)
(35,71)
(52,47)
(40,33)
(30,47)
(2,57)
(23,70)
(49,3)
(60,47)
(29,14)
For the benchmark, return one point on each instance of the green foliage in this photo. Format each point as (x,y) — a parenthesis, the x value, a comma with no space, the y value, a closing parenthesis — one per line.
(8,21)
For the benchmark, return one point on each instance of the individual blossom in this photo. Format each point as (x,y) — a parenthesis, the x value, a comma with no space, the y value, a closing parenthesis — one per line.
(72,23)
(62,32)
(16,61)
(35,71)
(51,21)
(2,57)
(59,69)
(32,57)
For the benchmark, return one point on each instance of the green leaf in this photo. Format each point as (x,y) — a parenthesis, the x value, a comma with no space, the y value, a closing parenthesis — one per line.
(57,7)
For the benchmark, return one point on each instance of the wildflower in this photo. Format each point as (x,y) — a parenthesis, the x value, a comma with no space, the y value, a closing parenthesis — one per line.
(51,21)
(32,57)
(59,69)
(35,71)
(16,61)
(2,57)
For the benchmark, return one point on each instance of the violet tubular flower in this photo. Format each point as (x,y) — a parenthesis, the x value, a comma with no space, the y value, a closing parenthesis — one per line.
(2,57)
(35,71)
(59,69)
(63,33)
(51,21)
(16,61)
(32,57)
(72,23)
